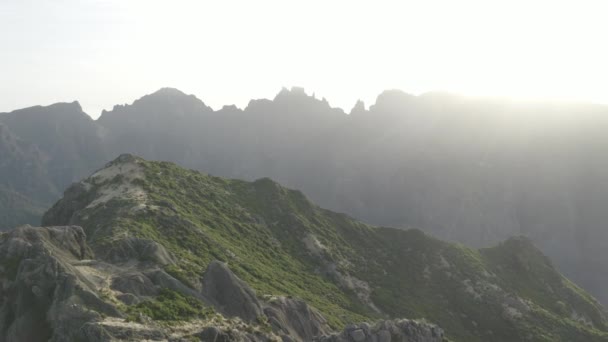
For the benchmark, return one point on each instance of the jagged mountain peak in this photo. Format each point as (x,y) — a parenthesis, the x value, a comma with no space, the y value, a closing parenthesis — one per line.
(56,111)
(171,95)
(168,91)
(359,108)
(166,104)
(293,91)
(231,109)
(392,100)
(294,95)
(298,101)
(74,105)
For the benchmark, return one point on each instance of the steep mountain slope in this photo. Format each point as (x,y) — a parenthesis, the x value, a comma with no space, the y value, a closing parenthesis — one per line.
(22,166)
(16,209)
(476,171)
(43,150)
(68,138)
(279,243)
(146,125)
(53,290)
(259,141)
(22,177)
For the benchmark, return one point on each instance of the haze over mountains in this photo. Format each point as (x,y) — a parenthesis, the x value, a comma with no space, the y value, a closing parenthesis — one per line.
(471,170)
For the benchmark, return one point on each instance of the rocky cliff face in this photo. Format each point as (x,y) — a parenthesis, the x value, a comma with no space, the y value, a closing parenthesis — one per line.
(69,140)
(25,189)
(42,151)
(45,296)
(52,289)
(386,331)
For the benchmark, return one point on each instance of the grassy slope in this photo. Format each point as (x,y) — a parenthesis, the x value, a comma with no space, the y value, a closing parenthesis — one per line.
(261,229)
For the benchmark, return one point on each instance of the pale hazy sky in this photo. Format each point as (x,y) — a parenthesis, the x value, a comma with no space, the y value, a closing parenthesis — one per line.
(106,52)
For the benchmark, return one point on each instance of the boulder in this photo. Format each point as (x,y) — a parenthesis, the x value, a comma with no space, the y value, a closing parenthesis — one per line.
(143,250)
(387,331)
(43,297)
(296,319)
(230,295)
(136,284)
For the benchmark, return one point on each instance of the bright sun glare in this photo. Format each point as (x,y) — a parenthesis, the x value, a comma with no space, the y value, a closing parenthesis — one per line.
(104,52)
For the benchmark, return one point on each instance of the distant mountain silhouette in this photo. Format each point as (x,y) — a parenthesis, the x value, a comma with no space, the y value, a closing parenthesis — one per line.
(24,184)
(67,138)
(471,170)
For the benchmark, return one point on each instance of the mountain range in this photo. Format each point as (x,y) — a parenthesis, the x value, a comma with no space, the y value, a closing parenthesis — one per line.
(475,171)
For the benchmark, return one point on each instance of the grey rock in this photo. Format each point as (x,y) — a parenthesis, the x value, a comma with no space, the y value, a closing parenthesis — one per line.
(383,336)
(285,338)
(357,335)
(229,294)
(43,298)
(387,331)
(128,298)
(295,318)
(135,283)
(162,279)
(138,249)
(52,289)
(215,334)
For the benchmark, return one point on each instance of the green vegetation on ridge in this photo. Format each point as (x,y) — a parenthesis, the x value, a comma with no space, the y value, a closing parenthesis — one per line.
(279,243)
(170,306)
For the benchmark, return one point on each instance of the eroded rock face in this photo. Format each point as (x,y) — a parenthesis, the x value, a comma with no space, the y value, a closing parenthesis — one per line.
(42,296)
(134,284)
(295,318)
(289,318)
(53,289)
(138,249)
(230,295)
(387,331)
(214,334)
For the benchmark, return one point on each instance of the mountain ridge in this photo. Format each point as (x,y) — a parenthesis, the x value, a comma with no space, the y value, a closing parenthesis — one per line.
(462,169)
(279,243)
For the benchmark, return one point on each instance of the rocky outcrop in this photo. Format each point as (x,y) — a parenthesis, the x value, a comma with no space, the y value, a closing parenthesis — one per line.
(296,319)
(289,318)
(230,295)
(115,181)
(138,249)
(74,199)
(387,331)
(134,284)
(215,334)
(43,297)
(52,289)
